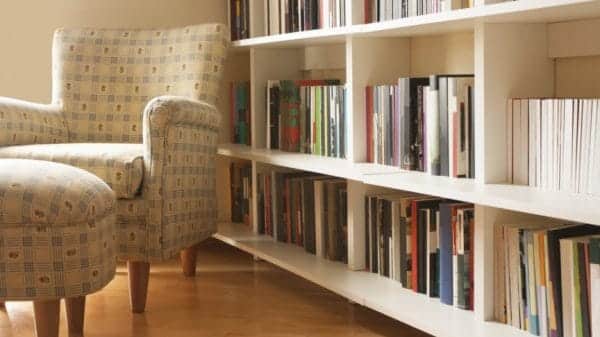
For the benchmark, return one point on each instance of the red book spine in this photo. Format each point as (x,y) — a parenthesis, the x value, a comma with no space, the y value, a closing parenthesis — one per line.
(288,213)
(455,145)
(414,254)
(369,122)
(299,235)
(368,15)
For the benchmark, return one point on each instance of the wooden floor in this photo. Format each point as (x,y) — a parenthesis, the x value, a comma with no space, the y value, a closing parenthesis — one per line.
(232,295)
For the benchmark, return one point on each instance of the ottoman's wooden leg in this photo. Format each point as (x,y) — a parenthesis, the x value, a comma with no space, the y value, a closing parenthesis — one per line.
(75,314)
(138,285)
(188,260)
(47,317)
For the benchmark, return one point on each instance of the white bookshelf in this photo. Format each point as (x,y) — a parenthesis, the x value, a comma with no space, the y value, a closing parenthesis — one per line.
(520,48)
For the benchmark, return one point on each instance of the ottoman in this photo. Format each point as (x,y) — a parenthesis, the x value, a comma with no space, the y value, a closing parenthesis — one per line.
(57,239)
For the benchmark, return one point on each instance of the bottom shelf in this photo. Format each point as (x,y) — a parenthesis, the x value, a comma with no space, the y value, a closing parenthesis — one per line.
(370,290)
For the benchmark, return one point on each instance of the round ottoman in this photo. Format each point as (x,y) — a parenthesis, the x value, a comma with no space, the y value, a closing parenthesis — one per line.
(57,239)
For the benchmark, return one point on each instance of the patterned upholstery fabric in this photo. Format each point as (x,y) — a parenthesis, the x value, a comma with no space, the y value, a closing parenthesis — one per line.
(119,165)
(57,231)
(156,89)
(28,123)
(180,138)
(104,78)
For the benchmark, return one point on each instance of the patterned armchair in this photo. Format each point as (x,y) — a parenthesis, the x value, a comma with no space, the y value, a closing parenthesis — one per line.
(137,109)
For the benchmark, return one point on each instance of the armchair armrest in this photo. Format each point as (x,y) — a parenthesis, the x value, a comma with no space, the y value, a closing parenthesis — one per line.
(180,146)
(23,123)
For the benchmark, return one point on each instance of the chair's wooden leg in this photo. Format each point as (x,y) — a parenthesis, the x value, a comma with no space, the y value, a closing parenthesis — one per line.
(2,304)
(75,314)
(139,273)
(47,317)
(188,260)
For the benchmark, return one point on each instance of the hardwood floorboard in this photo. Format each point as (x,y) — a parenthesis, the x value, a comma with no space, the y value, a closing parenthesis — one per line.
(231,296)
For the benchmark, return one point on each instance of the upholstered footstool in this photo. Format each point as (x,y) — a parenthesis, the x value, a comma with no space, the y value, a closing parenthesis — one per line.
(57,239)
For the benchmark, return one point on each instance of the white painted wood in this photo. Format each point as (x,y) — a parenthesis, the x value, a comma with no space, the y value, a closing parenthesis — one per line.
(560,205)
(574,38)
(510,61)
(269,64)
(442,54)
(370,62)
(530,11)
(324,57)
(371,290)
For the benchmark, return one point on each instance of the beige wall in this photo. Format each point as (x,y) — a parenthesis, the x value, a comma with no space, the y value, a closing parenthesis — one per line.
(26,28)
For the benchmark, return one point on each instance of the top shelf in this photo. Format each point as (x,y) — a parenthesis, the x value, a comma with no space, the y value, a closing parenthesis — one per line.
(521,11)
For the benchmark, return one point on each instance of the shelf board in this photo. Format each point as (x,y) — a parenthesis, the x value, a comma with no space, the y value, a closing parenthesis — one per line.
(522,11)
(318,164)
(370,290)
(296,39)
(560,205)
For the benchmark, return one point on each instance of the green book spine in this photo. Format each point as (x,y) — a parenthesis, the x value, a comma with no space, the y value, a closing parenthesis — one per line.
(317,140)
(577,293)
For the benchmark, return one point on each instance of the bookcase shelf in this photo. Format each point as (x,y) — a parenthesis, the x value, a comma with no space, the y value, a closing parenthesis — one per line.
(525,11)
(371,290)
(524,48)
(525,199)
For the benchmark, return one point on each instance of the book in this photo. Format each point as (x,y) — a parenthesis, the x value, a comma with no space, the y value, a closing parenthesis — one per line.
(288,16)
(240,113)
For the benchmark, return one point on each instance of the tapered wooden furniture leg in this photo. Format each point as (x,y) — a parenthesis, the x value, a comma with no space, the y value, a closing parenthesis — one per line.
(188,260)
(2,304)
(47,317)
(75,314)
(139,273)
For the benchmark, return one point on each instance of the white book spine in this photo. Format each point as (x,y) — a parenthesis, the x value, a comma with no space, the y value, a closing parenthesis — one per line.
(509,142)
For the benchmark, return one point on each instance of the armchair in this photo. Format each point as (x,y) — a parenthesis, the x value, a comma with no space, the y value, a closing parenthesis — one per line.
(136,108)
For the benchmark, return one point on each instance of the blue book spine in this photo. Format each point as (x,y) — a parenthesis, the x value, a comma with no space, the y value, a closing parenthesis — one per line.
(446,289)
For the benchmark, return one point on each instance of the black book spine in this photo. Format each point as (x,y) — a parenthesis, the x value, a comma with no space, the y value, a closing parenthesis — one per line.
(443,115)
(583,286)
(385,225)
(367,234)
(374,238)
(274,117)
(471,128)
(422,252)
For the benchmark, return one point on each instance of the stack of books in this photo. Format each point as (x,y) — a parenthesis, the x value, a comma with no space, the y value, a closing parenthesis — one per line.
(425,243)
(307,116)
(305,209)
(239,14)
(554,144)
(287,16)
(424,124)
(240,112)
(547,278)
(384,10)
(241,192)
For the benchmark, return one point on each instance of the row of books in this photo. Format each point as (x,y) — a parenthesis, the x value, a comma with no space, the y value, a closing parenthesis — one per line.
(384,10)
(425,243)
(554,144)
(240,174)
(240,112)
(307,116)
(239,14)
(287,16)
(547,278)
(305,209)
(424,124)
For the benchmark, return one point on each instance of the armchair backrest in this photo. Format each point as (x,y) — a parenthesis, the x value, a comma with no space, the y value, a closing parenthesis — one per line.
(103,78)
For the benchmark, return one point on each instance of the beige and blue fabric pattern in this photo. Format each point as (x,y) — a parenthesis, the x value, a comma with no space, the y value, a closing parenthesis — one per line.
(57,231)
(121,166)
(143,103)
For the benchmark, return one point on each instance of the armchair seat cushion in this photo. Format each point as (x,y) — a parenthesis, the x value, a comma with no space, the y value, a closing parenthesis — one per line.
(121,166)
